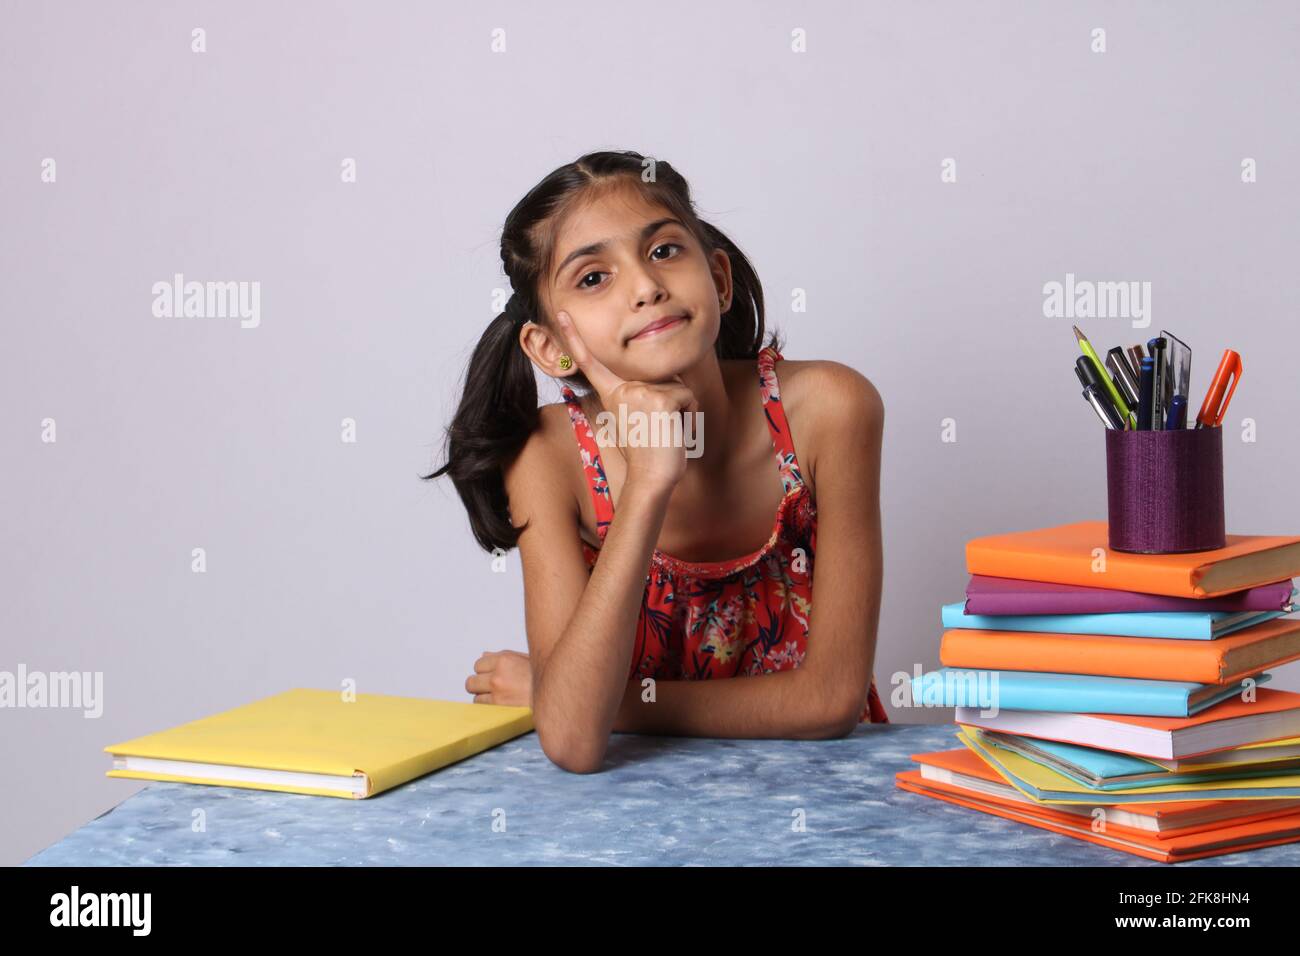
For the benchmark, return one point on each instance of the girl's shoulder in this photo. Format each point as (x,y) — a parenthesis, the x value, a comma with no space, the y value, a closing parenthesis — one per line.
(556,431)
(824,381)
(800,378)
(551,451)
(545,441)
(823,400)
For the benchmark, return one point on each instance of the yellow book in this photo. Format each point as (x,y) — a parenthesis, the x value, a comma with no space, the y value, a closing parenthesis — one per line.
(317,742)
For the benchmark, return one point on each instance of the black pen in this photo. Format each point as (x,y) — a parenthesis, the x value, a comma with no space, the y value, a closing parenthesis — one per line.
(1104,408)
(1160,376)
(1086,369)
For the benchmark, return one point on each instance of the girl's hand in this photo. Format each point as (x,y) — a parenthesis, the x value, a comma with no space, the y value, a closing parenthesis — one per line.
(502,677)
(662,465)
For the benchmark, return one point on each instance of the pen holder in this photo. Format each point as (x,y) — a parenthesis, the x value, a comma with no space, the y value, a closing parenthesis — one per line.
(1164,490)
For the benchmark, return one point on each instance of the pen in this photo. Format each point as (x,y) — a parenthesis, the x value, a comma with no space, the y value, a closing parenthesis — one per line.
(1177,413)
(1136,353)
(1109,386)
(1104,409)
(1083,368)
(1089,378)
(1159,377)
(1125,378)
(1216,402)
(1145,384)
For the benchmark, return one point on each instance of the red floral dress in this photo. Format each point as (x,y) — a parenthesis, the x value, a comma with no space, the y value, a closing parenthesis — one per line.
(742,616)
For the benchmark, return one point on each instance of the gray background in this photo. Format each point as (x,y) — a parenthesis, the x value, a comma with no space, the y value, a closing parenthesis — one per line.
(330,561)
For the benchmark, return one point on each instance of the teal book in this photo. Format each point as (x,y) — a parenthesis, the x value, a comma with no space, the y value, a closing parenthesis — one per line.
(1180,625)
(1109,770)
(1048,784)
(1068,693)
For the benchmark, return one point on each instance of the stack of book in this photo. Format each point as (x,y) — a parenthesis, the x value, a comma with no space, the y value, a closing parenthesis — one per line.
(1118,698)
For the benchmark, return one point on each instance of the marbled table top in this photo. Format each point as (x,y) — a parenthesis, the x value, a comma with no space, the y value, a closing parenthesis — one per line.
(658,801)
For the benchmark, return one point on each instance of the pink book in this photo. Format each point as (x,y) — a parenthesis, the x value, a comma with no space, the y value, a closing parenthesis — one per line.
(989,595)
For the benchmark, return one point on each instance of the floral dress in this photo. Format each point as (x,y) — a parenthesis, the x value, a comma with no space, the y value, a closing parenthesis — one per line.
(732,618)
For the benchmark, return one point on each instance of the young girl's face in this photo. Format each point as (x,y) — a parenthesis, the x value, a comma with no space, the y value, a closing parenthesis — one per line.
(622,263)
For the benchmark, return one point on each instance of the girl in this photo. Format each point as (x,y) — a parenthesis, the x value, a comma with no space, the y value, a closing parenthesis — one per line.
(621,291)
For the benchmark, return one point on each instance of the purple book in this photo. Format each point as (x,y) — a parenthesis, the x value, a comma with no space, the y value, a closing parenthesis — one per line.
(988,595)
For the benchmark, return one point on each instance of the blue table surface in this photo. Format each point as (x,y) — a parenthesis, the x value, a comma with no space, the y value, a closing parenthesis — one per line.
(657,801)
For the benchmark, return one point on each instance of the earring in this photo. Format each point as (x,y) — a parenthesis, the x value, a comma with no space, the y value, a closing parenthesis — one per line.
(722,301)
(566,363)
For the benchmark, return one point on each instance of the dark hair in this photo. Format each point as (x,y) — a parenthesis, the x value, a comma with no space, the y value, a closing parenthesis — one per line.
(498,408)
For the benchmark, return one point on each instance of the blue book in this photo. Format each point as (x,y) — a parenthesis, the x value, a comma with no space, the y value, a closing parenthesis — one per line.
(1183,625)
(1068,693)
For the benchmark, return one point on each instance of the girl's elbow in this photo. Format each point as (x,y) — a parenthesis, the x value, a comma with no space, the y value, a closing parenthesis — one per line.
(841,721)
(576,759)
(844,726)
(568,751)
(582,766)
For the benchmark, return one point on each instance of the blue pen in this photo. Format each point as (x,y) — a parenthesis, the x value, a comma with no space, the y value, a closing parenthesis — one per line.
(1177,413)
(1146,382)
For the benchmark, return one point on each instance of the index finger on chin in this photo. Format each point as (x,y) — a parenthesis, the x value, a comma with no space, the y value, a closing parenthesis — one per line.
(598,374)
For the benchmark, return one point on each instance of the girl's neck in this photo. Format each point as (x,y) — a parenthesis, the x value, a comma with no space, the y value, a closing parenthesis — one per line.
(709,385)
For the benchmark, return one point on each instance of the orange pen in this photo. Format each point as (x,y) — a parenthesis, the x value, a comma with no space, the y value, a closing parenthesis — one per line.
(1216,402)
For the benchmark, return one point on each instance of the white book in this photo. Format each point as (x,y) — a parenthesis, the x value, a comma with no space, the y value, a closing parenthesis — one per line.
(1273,715)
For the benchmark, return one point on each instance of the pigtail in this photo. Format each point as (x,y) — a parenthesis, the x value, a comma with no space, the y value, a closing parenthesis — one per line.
(497,412)
(740,335)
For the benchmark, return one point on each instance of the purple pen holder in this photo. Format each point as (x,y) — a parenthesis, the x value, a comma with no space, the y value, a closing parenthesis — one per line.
(1164,490)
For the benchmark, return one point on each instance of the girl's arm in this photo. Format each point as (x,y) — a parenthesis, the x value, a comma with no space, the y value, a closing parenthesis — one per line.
(580,627)
(825,695)
(784,705)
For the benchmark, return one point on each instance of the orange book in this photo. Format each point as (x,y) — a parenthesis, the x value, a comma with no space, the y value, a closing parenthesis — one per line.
(1221,661)
(963,770)
(1216,842)
(1068,554)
